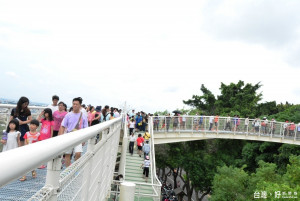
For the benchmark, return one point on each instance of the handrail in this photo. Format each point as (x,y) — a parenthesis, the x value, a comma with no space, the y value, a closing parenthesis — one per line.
(153,165)
(33,155)
(10,106)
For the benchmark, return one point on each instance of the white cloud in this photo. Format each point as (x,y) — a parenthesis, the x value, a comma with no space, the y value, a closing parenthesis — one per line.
(151,55)
(12,74)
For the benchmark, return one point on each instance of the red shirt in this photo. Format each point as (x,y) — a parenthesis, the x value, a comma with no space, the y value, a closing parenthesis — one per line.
(140,141)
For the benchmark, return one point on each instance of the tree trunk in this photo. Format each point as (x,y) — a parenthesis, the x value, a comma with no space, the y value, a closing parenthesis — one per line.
(203,195)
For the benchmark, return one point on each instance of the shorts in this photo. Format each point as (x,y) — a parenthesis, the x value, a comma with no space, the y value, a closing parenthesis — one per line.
(55,133)
(140,147)
(77,149)
(216,123)
(175,124)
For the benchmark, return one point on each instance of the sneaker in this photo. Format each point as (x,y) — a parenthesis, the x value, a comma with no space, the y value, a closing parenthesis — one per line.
(42,167)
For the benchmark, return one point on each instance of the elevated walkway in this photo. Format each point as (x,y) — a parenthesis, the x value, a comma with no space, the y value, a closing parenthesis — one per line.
(193,130)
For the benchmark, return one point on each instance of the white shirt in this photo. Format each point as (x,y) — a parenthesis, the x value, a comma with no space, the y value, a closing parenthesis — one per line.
(116,114)
(227,119)
(131,124)
(53,108)
(247,121)
(132,138)
(211,119)
(84,112)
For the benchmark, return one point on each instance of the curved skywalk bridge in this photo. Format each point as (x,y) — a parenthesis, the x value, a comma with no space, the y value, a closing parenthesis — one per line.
(192,130)
(90,177)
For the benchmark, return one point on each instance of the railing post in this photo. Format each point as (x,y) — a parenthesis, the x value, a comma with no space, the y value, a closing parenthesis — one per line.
(124,150)
(127,190)
(192,125)
(88,170)
(53,175)
(204,124)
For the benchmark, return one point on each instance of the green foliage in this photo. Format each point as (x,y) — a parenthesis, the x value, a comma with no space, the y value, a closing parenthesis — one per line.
(282,158)
(238,97)
(232,183)
(266,109)
(206,102)
(159,113)
(291,113)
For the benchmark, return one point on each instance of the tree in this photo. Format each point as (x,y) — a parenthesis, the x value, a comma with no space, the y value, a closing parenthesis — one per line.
(230,183)
(206,102)
(239,97)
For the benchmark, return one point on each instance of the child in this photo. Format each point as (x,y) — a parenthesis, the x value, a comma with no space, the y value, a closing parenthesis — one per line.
(30,137)
(47,127)
(47,124)
(146,165)
(11,137)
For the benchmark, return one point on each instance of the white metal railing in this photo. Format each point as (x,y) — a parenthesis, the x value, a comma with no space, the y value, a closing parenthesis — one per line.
(89,178)
(154,185)
(237,126)
(155,181)
(5,111)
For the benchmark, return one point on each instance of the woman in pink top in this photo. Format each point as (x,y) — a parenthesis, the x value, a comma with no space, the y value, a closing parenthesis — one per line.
(58,116)
(91,115)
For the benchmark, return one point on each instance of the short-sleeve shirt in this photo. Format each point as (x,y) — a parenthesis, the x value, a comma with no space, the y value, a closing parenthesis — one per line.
(58,117)
(140,141)
(32,138)
(53,108)
(71,119)
(22,115)
(46,129)
(211,119)
(147,163)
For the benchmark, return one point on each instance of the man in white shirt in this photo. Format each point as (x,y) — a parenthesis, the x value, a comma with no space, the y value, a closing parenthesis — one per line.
(54,105)
(211,122)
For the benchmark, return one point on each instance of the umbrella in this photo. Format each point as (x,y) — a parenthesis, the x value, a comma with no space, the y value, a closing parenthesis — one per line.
(176,112)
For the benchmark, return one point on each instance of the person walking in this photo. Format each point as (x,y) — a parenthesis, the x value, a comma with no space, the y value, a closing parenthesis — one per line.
(58,116)
(146,166)
(73,121)
(146,149)
(140,141)
(54,106)
(132,139)
(23,115)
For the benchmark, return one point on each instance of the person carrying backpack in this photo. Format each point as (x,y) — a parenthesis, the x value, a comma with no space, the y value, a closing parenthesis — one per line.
(146,135)
(105,114)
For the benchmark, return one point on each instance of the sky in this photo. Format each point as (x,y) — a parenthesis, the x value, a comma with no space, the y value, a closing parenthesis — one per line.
(149,54)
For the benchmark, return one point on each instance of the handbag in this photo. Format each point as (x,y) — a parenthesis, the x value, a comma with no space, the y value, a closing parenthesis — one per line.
(77,125)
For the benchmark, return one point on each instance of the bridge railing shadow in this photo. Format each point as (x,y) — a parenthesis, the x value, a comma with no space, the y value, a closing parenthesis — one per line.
(225,125)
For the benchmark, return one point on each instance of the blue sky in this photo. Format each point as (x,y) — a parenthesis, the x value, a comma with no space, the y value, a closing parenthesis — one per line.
(152,54)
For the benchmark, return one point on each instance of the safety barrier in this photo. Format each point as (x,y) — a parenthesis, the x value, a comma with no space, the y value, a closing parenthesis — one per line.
(88,178)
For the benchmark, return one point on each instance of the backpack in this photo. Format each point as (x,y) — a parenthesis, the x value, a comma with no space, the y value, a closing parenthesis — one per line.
(104,118)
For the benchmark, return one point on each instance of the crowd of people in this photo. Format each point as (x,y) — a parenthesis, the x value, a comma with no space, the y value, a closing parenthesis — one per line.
(229,123)
(54,120)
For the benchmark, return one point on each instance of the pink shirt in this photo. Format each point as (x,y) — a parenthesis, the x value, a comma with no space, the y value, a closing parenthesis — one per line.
(46,129)
(58,117)
(91,116)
